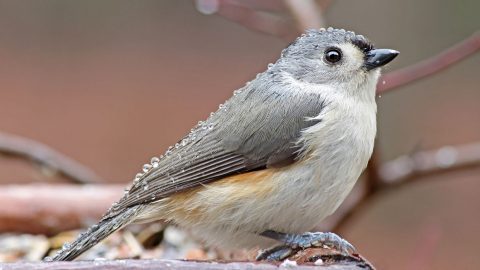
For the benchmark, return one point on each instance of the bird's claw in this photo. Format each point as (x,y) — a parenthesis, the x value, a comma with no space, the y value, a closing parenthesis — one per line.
(295,242)
(320,239)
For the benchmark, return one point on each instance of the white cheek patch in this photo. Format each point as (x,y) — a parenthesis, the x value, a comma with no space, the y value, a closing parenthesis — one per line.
(352,56)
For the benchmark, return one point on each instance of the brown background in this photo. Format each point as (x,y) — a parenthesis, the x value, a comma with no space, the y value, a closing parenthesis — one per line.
(113,83)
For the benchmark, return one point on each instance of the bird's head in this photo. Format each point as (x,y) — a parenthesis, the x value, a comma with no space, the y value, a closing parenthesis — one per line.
(334,57)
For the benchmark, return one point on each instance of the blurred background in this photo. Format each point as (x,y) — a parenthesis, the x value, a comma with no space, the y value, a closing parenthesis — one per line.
(113,83)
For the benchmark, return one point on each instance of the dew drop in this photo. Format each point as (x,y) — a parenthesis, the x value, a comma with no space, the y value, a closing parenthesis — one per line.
(137,178)
(237,92)
(146,167)
(154,160)
(145,187)
(222,107)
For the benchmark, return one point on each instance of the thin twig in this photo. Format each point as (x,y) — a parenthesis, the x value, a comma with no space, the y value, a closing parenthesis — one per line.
(264,22)
(430,66)
(306,13)
(285,19)
(46,157)
(411,167)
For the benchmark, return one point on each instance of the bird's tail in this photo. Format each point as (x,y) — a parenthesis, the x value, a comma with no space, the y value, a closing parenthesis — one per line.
(95,234)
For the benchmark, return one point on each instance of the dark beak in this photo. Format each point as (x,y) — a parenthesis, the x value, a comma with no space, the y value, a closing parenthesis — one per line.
(379,57)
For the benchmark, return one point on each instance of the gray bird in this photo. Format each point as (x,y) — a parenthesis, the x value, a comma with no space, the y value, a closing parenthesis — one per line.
(275,159)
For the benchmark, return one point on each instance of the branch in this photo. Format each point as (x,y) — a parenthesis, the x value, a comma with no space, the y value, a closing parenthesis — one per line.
(307,13)
(50,209)
(412,167)
(430,66)
(284,19)
(48,158)
(329,261)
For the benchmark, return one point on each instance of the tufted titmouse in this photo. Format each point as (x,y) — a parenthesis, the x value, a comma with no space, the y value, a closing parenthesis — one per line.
(278,157)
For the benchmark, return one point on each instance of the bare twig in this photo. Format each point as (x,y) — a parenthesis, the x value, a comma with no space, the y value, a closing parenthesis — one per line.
(307,13)
(447,158)
(284,19)
(430,66)
(50,209)
(267,23)
(46,157)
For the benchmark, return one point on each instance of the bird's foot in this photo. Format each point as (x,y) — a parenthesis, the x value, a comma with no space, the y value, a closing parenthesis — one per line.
(277,253)
(295,242)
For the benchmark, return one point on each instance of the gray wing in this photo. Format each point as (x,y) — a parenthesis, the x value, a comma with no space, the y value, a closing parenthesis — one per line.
(256,128)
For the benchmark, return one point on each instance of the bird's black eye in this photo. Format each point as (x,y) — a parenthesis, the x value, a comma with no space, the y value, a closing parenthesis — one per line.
(333,55)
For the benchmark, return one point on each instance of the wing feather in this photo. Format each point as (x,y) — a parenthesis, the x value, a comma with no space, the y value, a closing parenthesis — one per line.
(253,130)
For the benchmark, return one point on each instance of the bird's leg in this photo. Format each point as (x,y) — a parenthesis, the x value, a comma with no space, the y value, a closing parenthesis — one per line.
(293,242)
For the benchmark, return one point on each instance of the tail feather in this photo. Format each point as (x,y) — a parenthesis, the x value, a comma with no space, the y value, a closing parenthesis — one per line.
(95,234)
